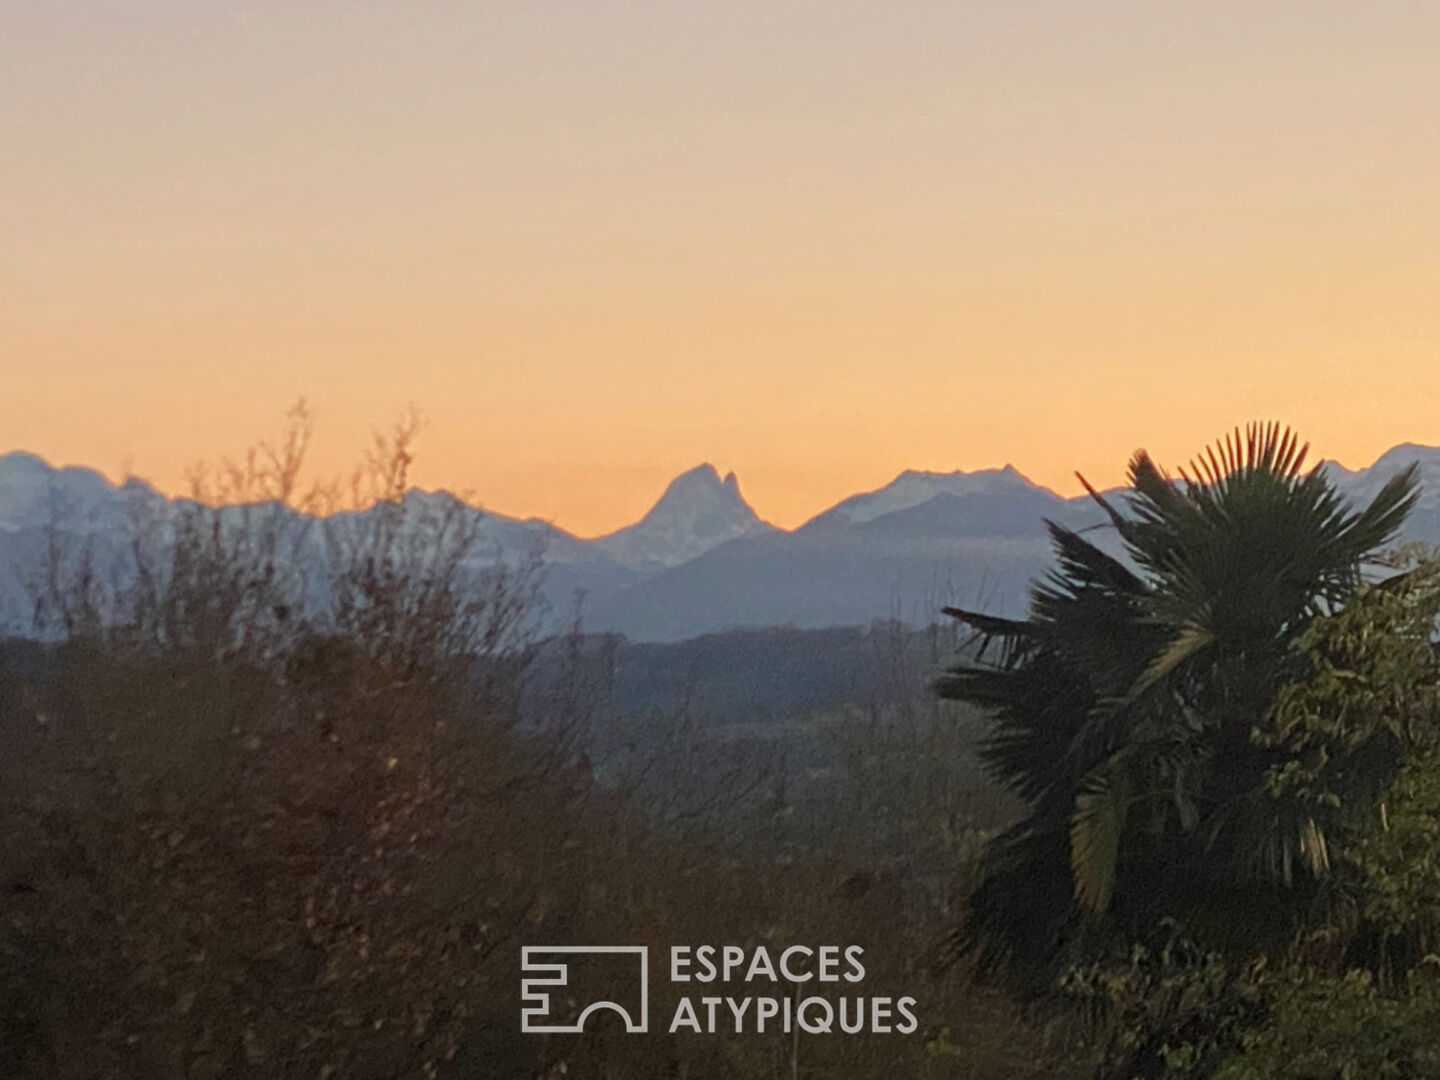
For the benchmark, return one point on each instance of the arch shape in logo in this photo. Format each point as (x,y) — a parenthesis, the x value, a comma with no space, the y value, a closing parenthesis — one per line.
(546,964)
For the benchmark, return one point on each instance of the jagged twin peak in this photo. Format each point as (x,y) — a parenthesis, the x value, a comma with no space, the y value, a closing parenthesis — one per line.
(698,511)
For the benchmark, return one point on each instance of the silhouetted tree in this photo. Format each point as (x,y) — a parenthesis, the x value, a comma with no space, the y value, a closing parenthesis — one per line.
(1133,707)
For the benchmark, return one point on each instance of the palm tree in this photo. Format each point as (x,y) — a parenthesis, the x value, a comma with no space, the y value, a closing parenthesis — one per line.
(1129,707)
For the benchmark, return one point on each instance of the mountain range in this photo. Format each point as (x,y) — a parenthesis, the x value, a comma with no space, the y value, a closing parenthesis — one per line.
(701,560)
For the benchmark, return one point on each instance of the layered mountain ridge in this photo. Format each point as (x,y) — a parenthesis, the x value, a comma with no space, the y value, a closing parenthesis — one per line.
(701,559)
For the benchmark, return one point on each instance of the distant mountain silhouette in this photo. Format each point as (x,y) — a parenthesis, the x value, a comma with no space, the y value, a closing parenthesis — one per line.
(701,560)
(697,512)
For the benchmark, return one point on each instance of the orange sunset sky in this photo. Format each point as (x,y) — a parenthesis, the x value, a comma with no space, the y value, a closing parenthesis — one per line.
(817,243)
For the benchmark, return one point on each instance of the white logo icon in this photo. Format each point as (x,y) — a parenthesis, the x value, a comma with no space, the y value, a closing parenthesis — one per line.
(535,999)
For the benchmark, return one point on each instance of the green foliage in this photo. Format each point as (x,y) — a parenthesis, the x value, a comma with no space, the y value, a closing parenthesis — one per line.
(1341,1027)
(1399,862)
(1356,994)
(1133,712)
(1372,675)
(1166,1009)
(1174,1013)
(1362,735)
(1233,735)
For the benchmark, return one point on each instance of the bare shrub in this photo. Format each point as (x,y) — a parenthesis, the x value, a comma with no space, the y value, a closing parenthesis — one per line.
(275,831)
(271,808)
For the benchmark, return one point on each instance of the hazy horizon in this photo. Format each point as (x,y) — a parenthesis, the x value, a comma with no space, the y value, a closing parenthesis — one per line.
(477,498)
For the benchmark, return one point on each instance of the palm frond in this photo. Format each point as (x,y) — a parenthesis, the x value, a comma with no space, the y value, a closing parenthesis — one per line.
(1095,831)
(1265,448)
(1193,637)
(1378,524)
(1124,704)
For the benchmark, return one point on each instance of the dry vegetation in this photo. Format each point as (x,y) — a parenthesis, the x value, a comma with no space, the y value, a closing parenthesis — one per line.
(250,832)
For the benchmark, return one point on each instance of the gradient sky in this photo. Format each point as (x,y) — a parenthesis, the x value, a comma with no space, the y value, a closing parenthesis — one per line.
(596,243)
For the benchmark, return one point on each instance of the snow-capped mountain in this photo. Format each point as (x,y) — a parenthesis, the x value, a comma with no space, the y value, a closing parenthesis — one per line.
(698,512)
(1362,485)
(912,488)
(925,539)
(701,559)
(33,494)
(40,502)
